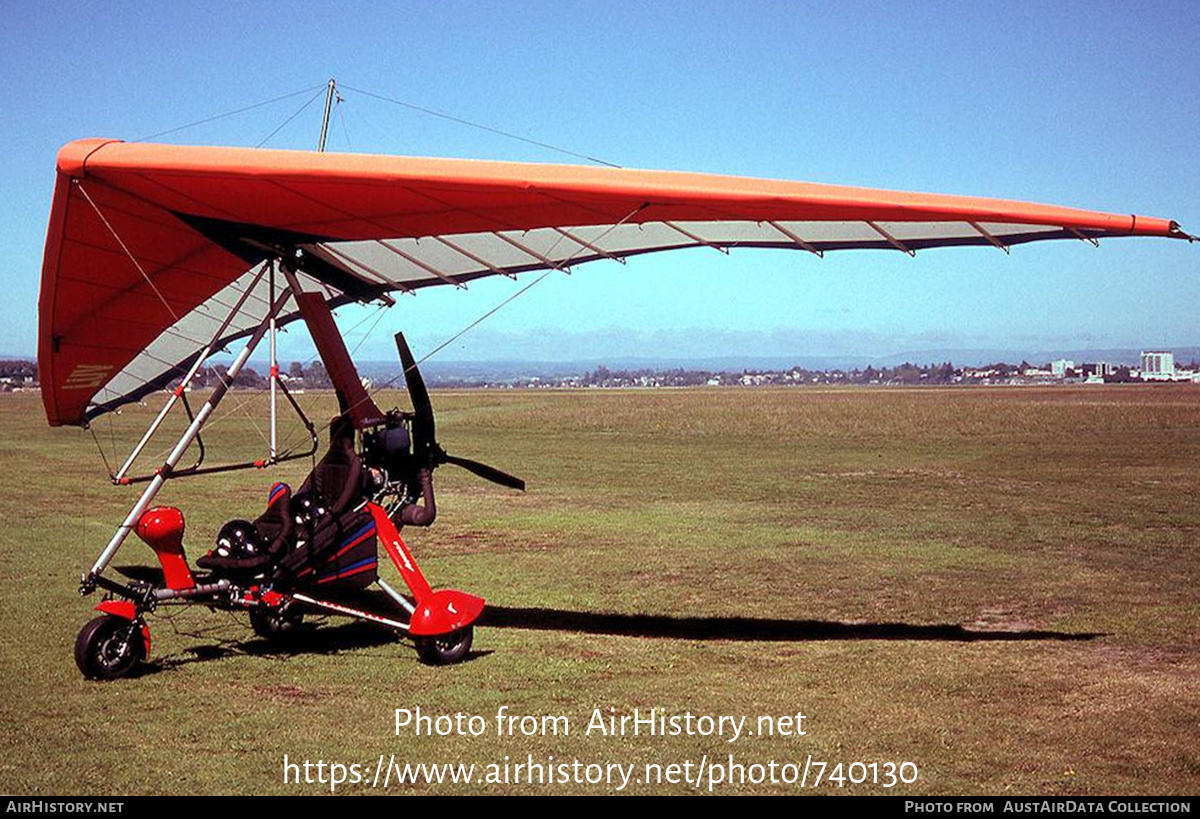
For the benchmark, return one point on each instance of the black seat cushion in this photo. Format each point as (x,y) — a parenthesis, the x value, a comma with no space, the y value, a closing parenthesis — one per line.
(274,527)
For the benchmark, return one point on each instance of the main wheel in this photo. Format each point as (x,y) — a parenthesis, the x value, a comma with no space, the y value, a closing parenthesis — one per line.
(446,649)
(109,647)
(276,623)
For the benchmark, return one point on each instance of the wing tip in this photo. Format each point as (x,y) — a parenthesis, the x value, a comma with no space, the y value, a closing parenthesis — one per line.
(72,158)
(1176,232)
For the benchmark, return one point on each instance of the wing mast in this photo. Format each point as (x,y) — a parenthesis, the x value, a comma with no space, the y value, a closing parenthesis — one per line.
(330,95)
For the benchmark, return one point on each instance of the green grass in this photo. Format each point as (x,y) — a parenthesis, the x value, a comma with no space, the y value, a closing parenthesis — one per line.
(774,539)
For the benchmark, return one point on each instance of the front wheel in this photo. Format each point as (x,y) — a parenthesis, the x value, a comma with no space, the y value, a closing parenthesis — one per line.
(446,649)
(109,648)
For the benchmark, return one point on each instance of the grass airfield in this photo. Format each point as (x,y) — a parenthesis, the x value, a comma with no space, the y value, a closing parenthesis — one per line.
(998,585)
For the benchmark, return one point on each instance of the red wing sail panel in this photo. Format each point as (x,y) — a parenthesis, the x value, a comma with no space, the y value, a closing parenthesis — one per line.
(150,246)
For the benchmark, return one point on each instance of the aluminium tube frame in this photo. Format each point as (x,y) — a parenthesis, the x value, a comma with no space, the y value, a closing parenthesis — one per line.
(338,608)
(400,599)
(88,582)
(177,393)
(273,449)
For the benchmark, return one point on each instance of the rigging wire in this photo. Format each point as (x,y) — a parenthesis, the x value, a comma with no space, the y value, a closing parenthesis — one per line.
(241,407)
(410,106)
(250,417)
(82,509)
(342,118)
(283,124)
(380,312)
(481,319)
(172,330)
(228,113)
(562,265)
(442,115)
(100,448)
(132,258)
(454,337)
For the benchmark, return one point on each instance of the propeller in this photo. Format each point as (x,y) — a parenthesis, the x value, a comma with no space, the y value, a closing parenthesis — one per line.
(424,437)
(488,473)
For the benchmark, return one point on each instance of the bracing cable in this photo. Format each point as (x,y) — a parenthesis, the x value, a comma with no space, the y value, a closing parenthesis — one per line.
(450,117)
(216,117)
(284,124)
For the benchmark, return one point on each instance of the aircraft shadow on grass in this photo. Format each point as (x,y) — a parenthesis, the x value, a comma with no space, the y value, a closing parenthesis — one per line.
(309,639)
(228,641)
(750,629)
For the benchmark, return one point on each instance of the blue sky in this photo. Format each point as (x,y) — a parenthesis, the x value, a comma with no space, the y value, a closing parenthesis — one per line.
(1086,104)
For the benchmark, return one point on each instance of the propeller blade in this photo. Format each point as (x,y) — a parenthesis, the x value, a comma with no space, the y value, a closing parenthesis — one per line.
(489,473)
(424,436)
(425,446)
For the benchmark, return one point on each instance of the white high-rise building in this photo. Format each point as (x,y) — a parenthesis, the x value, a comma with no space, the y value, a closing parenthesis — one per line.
(1158,365)
(1060,367)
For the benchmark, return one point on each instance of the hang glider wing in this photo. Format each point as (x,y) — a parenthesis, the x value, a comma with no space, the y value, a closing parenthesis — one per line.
(151,247)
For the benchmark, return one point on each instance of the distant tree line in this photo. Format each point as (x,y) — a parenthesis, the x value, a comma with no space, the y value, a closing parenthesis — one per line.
(906,373)
(296,375)
(602,376)
(24,372)
(18,368)
(18,373)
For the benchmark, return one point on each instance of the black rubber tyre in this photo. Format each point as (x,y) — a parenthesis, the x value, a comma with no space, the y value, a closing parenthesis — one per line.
(277,623)
(109,648)
(446,649)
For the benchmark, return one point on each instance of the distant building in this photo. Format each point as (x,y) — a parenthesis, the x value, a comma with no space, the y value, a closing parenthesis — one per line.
(1158,365)
(1060,367)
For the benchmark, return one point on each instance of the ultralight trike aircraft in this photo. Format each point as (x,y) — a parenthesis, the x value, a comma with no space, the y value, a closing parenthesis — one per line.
(159,256)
